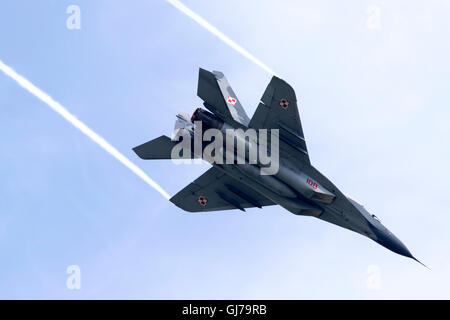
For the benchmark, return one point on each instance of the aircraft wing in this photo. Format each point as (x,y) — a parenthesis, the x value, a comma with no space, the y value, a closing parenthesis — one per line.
(278,110)
(214,191)
(219,98)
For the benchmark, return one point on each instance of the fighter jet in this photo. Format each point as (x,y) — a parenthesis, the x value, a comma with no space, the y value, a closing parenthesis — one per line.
(296,186)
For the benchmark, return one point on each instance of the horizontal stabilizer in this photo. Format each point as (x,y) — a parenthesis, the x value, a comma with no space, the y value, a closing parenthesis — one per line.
(159,148)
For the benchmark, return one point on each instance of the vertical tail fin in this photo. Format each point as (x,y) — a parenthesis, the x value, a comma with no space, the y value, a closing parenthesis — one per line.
(214,89)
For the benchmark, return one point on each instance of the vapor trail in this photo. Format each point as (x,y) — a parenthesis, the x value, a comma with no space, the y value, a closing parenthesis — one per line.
(194,16)
(38,93)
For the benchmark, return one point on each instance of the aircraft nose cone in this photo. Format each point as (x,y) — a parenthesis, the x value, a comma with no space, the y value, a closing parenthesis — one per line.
(391,242)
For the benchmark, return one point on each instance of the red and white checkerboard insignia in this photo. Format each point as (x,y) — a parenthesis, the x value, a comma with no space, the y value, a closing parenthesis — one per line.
(202,200)
(284,103)
(231,100)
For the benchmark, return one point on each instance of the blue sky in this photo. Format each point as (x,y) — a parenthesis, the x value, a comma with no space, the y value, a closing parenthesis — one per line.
(375,110)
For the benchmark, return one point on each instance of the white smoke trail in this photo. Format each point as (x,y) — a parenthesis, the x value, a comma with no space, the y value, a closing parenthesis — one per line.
(194,16)
(57,107)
